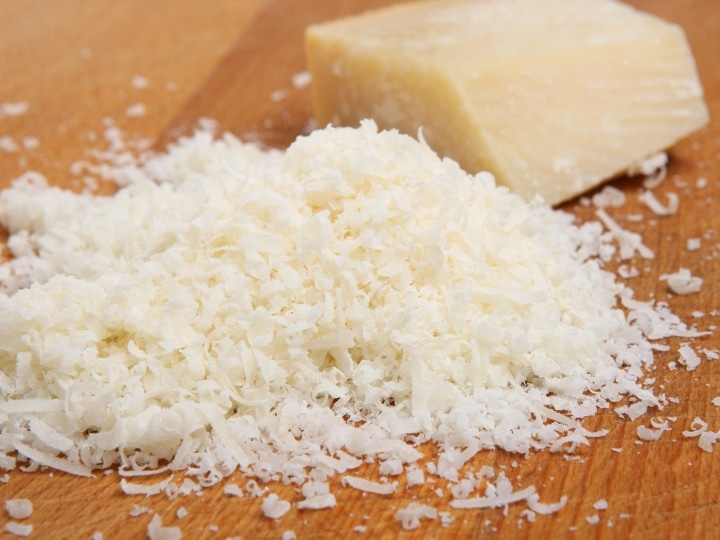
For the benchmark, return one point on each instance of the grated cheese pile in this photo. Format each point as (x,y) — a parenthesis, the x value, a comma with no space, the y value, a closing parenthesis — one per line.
(293,313)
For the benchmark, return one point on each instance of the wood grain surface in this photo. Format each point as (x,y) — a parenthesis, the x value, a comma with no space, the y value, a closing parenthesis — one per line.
(74,63)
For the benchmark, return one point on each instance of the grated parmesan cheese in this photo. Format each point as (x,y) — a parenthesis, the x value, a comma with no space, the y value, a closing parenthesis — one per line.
(609,196)
(138,510)
(291,314)
(301,79)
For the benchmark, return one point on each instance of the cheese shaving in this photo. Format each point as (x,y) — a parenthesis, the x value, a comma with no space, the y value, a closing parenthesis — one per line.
(130,488)
(534,504)
(318,502)
(493,502)
(368,486)
(649,199)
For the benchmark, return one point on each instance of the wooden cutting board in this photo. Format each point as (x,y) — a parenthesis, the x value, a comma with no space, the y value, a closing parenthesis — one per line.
(663,489)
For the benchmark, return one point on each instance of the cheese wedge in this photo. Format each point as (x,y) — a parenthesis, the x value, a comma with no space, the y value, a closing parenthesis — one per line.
(551,96)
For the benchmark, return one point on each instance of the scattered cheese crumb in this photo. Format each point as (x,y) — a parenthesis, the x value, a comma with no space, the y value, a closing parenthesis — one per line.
(156,531)
(140,82)
(278,95)
(17,108)
(233,489)
(688,357)
(18,529)
(136,110)
(683,282)
(446,518)
(19,508)
(626,272)
(30,143)
(411,515)
(693,244)
(301,79)
(602,504)
(8,144)
(138,510)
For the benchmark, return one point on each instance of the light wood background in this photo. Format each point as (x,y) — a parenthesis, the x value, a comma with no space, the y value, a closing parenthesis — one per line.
(74,61)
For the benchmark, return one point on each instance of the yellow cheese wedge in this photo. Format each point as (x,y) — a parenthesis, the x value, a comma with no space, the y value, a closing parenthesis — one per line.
(551,96)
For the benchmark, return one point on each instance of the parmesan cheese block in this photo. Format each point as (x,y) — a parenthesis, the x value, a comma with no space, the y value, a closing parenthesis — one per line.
(551,96)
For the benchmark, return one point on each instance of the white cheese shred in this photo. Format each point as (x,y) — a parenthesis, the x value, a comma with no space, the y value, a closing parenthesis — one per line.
(318,502)
(534,504)
(649,199)
(368,486)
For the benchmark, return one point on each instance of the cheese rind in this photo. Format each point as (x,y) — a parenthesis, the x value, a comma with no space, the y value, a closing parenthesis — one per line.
(551,96)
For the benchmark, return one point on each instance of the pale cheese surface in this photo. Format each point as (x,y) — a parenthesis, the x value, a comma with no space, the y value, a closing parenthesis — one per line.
(551,96)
